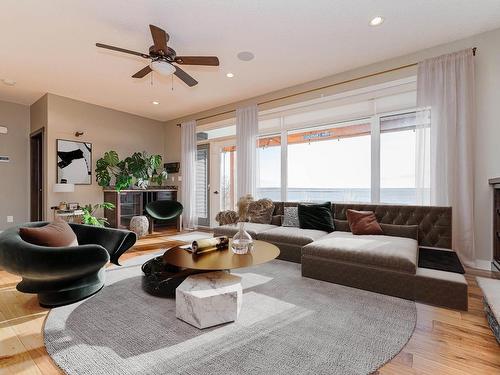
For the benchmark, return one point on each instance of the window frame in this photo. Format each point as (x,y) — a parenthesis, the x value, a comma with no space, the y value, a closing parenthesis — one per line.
(375,132)
(375,121)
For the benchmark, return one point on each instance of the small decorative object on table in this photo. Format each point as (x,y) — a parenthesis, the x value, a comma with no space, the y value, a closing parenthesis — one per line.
(69,215)
(139,225)
(242,241)
(210,244)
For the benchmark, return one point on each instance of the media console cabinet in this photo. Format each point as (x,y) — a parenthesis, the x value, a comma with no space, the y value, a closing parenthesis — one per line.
(130,203)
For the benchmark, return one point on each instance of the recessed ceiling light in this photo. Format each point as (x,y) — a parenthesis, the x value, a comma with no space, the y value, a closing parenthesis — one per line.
(245,56)
(376,21)
(8,82)
(155,102)
(229,75)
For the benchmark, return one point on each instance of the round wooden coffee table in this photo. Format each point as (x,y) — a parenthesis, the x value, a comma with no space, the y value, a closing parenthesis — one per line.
(261,252)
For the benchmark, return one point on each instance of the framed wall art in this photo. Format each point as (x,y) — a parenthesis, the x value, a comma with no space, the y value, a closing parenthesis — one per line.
(74,162)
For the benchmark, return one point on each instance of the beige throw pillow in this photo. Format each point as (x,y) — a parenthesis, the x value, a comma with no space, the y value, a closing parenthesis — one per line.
(261,211)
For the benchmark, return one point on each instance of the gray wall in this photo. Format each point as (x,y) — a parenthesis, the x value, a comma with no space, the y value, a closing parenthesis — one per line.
(14,175)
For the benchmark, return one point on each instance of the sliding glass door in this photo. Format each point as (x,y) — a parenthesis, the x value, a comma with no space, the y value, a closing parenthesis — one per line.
(222,178)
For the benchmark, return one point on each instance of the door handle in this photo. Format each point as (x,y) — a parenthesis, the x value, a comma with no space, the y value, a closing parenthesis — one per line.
(216,192)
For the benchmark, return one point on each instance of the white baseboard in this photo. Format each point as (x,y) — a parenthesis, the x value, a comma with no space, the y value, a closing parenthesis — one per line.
(483,264)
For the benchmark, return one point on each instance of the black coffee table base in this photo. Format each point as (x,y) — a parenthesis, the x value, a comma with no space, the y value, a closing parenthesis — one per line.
(162,279)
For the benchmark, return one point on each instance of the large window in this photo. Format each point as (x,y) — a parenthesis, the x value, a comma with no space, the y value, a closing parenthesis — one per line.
(370,146)
(269,167)
(399,151)
(330,163)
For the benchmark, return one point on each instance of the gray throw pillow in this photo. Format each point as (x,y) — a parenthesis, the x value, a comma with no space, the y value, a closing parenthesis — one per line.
(291,217)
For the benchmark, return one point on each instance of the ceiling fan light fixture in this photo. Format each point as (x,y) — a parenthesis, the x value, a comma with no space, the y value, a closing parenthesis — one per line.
(229,75)
(162,67)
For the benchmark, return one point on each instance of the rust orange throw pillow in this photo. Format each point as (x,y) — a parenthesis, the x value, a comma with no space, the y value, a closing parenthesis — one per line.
(55,234)
(363,222)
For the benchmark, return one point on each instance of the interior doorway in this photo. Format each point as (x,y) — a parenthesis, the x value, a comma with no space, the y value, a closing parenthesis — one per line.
(36,175)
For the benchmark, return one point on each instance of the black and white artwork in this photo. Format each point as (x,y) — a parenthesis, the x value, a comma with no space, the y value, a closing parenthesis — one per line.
(74,162)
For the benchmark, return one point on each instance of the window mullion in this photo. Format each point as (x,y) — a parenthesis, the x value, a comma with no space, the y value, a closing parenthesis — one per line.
(284,161)
(375,159)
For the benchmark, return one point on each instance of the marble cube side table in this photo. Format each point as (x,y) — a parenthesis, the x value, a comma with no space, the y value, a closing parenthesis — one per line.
(208,299)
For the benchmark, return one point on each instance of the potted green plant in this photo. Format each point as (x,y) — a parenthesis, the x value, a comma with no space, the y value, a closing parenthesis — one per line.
(139,169)
(89,217)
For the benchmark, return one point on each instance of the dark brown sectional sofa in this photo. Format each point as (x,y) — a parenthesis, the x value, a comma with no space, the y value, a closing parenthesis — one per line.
(385,264)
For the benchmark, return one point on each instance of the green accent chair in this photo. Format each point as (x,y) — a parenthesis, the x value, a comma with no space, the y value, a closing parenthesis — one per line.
(63,275)
(163,210)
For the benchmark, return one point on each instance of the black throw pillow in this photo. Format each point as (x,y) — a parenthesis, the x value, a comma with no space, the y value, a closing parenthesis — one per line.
(316,216)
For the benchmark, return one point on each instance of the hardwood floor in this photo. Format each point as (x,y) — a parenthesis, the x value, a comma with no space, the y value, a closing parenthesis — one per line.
(444,342)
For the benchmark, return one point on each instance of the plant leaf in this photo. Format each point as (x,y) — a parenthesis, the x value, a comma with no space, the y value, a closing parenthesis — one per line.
(111,157)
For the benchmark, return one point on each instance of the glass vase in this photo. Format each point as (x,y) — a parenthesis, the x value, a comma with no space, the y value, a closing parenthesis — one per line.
(242,241)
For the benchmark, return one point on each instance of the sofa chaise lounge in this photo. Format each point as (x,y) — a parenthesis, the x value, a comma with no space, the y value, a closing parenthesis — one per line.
(385,264)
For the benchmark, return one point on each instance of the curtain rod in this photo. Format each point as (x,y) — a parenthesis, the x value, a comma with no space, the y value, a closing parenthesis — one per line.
(321,88)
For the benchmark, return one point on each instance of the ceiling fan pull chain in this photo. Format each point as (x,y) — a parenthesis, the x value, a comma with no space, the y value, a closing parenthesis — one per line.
(152,78)
(172,82)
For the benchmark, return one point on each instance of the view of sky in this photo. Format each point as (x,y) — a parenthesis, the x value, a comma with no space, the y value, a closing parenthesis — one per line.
(343,163)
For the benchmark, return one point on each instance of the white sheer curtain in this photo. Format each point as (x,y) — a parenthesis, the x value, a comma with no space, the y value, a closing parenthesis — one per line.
(188,168)
(445,84)
(422,157)
(247,127)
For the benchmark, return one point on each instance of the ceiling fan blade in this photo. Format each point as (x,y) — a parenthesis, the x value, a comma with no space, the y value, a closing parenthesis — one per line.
(160,38)
(197,60)
(113,48)
(188,80)
(143,72)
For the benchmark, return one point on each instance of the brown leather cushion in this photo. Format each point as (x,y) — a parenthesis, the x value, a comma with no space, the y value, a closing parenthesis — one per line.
(407,231)
(55,234)
(261,211)
(363,222)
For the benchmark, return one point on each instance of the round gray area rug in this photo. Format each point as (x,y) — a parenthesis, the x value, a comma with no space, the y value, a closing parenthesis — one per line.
(288,325)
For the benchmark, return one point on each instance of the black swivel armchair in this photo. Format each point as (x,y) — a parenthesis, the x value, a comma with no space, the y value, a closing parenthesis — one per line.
(63,275)
(163,210)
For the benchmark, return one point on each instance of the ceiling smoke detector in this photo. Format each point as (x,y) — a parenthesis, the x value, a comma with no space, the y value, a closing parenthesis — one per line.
(245,56)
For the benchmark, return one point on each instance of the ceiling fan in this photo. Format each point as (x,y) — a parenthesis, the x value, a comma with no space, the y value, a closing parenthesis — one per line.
(163,57)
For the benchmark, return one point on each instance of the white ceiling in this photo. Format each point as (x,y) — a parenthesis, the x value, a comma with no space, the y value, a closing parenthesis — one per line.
(49,46)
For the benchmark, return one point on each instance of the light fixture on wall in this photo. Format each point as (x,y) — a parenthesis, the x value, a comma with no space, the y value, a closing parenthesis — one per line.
(155,102)
(229,75)
(8,81)
(376,21)
(78,134)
